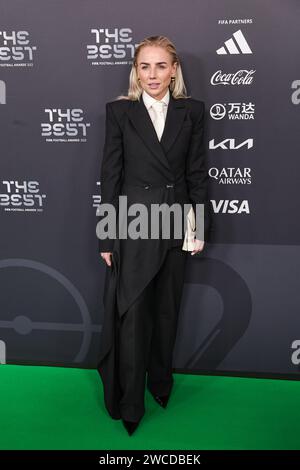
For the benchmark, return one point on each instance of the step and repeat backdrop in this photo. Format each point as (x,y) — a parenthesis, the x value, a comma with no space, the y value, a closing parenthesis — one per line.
(60,62)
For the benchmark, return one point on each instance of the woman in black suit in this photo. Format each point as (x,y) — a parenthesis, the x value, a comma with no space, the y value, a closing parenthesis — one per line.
(153,154)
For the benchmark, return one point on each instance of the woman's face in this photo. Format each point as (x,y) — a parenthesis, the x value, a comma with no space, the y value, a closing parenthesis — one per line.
(154,69)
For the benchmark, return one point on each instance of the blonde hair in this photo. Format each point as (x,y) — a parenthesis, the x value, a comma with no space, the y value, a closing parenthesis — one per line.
(177,87)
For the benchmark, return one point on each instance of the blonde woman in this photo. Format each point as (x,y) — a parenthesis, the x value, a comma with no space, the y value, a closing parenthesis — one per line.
(153,154)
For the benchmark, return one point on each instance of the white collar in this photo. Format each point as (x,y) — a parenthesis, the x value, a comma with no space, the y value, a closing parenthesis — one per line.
(148,100)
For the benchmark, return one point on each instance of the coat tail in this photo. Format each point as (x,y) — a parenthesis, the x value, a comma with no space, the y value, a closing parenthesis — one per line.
(108,361)
(114,309)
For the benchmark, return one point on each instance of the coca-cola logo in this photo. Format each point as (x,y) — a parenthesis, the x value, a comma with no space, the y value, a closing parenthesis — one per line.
(241,77)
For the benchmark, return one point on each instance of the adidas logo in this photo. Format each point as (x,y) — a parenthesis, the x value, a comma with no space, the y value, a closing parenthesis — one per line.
(231,45)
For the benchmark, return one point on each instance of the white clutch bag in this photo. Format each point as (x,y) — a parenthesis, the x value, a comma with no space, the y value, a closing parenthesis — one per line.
(190,233)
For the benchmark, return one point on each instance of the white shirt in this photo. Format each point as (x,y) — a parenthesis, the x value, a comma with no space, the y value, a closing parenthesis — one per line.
(148,100)
(188,243)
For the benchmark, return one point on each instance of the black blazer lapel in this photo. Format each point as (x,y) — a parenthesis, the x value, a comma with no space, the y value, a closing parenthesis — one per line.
(141,120)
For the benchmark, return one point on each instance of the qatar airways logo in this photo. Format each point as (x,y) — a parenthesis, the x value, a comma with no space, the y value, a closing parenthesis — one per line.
(16,49)
(241,77)
(111,46)
(65,125)
(231,175)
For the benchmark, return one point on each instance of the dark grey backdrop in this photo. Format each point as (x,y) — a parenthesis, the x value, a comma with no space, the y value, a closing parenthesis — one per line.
(60,61)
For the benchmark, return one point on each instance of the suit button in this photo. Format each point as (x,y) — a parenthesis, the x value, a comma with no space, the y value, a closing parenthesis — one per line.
(169,185)
(147,186)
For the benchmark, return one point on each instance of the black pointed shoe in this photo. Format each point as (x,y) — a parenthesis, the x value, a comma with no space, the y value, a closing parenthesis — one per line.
(130,426)
(162,400)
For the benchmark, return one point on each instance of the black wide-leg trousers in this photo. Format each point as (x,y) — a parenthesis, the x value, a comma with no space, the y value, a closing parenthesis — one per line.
(147,337)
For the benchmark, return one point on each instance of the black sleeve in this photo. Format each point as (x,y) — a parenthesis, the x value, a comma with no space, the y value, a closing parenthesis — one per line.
(196,170)
(111,169)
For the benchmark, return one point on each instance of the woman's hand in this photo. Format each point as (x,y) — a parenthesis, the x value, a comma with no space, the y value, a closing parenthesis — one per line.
(106,255)
(198,246)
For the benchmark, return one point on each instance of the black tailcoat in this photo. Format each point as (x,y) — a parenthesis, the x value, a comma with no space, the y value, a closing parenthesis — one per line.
(136,164)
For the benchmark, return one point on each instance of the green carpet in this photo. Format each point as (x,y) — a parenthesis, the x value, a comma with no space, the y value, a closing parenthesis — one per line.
(62,408)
